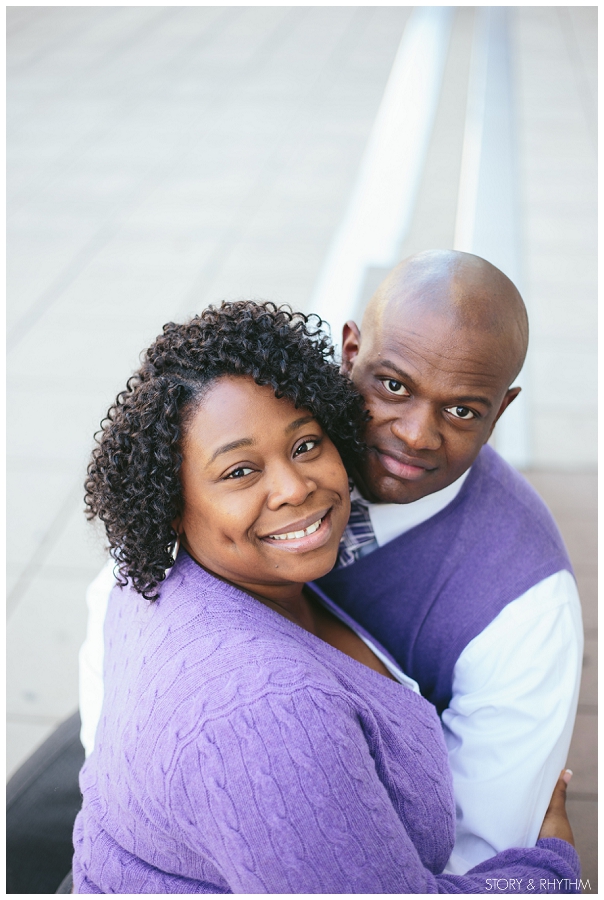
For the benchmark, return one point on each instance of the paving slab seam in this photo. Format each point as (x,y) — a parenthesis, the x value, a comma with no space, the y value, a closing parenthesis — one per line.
(44,547)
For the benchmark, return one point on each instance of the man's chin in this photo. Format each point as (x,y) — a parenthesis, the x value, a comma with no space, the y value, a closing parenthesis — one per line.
(391,490)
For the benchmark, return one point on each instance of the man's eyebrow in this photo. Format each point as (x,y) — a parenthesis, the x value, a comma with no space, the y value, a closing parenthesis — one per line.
(390,365)
(299,422)
(461,401)
(234,445)
(407,379)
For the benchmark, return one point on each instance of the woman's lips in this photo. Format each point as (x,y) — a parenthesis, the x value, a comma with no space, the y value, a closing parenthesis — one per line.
(405,470)
(317,538)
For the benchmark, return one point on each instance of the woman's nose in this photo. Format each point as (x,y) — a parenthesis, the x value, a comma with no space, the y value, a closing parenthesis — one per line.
(417,428)
(289,484)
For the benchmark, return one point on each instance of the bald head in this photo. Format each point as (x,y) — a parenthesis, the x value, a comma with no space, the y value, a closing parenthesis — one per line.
(441,342)
(466,293)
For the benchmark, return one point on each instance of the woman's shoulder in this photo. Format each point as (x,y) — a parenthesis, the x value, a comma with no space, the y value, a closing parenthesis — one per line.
(205,650)
(206,642)
(212,674)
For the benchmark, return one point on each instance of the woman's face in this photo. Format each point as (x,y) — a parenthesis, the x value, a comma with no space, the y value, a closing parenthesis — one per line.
(266,496)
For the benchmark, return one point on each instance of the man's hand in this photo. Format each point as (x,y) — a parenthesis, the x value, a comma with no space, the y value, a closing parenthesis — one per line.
(555,823)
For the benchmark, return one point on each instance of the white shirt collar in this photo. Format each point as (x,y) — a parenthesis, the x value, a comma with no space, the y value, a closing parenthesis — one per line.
(390,520)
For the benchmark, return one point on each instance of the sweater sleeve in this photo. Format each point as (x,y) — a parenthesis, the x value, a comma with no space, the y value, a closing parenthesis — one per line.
(283,794)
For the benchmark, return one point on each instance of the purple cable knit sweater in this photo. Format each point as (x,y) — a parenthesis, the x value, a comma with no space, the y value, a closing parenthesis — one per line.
(237,753)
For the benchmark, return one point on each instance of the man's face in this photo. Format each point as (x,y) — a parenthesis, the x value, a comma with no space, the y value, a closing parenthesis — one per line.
(434,393)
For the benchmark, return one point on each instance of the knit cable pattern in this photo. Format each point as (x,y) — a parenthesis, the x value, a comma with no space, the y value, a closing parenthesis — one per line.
(238,753)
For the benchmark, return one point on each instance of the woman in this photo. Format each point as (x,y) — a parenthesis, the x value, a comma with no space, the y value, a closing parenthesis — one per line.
(253,738)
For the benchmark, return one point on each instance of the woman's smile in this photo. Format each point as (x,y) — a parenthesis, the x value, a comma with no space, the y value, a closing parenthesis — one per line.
(299,538)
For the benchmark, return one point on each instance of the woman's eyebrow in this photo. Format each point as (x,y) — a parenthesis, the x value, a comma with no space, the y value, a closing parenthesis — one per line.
(248,442)
(234,445)
(302,421)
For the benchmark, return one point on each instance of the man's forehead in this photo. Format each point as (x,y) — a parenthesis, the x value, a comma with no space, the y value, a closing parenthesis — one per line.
(420,347)
(413,330)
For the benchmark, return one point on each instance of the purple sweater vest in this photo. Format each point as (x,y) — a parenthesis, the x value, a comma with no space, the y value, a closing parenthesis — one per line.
(429,592)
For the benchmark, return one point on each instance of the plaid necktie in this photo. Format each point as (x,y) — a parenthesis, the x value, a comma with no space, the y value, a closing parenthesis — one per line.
(358,534)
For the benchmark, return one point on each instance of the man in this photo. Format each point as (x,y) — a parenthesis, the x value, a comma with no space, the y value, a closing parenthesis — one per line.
(449,558)
(459,569)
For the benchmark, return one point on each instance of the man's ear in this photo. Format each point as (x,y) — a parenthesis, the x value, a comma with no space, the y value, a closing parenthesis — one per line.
(510,395)
(351,344)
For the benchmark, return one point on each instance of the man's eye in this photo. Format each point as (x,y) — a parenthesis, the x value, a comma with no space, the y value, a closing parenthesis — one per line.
(461,412)
(306,447)
(240,472)
(394,387)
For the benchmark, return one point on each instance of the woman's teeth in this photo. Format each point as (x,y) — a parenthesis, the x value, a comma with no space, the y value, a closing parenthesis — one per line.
(297,534)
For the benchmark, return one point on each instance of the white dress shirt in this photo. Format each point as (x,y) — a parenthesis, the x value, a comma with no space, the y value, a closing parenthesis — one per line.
(515,692)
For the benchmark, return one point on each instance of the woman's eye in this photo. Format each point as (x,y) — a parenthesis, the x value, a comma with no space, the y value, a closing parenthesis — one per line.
(461,412)
(306,447)
(394,387)
(240,472)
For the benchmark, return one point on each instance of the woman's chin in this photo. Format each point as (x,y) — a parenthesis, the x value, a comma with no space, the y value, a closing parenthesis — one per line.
(299,570)
(322,567)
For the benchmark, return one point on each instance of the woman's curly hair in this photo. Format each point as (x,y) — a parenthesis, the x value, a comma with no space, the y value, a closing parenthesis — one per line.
(133,483)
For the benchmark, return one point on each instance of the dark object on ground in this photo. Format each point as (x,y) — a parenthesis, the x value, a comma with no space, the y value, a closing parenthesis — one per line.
(42,800)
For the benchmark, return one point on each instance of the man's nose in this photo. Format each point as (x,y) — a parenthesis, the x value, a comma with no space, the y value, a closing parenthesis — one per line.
(289,484)
(418,428)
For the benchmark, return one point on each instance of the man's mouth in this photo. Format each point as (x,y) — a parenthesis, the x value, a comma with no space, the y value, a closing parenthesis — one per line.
(404,466)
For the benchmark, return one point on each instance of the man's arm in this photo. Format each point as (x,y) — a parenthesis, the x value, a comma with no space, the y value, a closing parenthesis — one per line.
(92,654)
(510,721)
